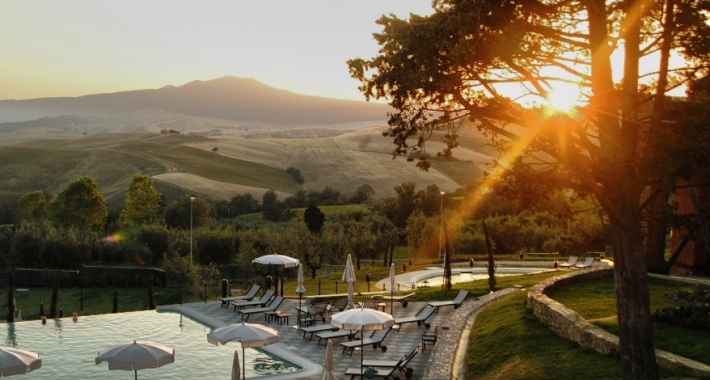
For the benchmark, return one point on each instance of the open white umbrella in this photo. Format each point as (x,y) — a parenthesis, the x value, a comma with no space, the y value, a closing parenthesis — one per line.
(235,366)
(248,334)
(136,355)
(328,370)
(392,290)
(278,261)
(363,320)
(14,361)
(300,289)
(349,277)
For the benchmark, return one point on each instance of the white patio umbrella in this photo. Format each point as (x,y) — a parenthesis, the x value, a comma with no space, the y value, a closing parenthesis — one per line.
(328,369)
(392,290)
(14,361)
(349,277)
(300,289)
(248,334)
(363,320)
(235,366)
(278,261)
(136,355)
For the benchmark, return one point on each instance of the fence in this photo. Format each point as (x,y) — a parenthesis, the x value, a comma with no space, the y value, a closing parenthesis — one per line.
(87,276)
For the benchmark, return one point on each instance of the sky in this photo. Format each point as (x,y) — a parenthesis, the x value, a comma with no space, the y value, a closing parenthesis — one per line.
(76,47)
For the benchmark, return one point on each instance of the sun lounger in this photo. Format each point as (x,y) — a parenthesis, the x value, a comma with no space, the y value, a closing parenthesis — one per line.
(248,296)
(384,368)
(272,307)
(401,365)
(317,329)
(420,318)
(319,310)
(570,262)
(588,262)
(263,300)
(373,372)
(400,299)
(375,340)
(337,306)
(456,302)
(368,305)
(337,334)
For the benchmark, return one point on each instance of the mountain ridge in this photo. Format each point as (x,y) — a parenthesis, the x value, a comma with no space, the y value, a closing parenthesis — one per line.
(229,97)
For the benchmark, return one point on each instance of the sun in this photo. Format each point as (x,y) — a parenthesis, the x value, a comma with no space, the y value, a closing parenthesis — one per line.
(563,97)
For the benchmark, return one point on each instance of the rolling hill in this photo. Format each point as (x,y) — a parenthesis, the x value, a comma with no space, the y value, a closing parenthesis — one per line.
(215,139)
(230,98)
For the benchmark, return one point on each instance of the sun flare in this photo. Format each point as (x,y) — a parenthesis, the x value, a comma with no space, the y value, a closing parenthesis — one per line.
(563,98)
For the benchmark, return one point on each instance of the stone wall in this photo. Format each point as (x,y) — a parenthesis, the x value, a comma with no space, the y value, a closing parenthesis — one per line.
(570,325)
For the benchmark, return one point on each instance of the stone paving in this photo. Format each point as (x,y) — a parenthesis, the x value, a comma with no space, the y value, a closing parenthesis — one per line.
(434,363)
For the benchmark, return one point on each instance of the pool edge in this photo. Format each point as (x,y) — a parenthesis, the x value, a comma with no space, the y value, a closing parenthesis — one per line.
(310,368)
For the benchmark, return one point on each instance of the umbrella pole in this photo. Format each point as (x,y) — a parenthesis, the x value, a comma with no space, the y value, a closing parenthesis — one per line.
(362,340)
(299,311)
(244,369)
(136,372)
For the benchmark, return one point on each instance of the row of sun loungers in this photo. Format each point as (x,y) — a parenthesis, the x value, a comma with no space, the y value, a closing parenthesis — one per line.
(376,368)
(261,302)
(275,303)
(573,262)
(250,294)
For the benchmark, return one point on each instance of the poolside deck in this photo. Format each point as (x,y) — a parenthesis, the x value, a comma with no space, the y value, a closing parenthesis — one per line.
(434,363)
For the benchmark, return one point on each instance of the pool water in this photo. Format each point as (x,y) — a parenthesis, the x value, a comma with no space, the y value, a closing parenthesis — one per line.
(472,275)
(68,348)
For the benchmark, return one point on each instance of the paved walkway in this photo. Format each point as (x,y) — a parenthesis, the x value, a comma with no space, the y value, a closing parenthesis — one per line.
(434,363)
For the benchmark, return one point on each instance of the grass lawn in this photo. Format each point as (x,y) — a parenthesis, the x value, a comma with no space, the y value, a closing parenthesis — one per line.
(508,342)
(595,301)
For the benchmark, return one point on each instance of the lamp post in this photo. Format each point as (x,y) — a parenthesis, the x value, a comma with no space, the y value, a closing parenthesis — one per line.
(441,229)
(192,199)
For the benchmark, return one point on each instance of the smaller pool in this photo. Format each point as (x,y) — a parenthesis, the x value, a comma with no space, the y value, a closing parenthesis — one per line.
(436,277)
(68,349)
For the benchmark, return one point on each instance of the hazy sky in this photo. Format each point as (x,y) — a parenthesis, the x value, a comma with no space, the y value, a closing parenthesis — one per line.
(71,47)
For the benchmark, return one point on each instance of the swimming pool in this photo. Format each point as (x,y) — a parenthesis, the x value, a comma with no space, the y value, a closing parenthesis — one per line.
(68,348)
(434,277)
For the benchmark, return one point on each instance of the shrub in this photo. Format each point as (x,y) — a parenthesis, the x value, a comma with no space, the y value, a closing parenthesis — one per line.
(693,310)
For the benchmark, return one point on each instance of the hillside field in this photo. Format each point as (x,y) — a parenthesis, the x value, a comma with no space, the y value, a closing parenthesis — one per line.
(219,168)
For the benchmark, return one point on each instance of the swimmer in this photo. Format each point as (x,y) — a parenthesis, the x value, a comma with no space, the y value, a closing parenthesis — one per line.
(44,320)
(75,317)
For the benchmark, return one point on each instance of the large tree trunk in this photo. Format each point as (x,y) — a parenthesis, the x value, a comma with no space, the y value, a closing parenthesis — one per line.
(638,358)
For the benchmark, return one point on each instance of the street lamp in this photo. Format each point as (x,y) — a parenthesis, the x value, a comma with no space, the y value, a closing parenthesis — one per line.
(441,213)
(192,199)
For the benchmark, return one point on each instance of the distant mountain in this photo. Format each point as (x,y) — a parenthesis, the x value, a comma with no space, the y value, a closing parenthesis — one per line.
(232,98)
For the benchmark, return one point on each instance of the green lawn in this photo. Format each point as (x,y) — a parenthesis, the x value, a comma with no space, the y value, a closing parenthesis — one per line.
(595,301)
(509,342)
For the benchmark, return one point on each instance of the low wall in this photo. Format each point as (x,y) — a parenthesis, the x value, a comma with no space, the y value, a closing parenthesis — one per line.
(570,325)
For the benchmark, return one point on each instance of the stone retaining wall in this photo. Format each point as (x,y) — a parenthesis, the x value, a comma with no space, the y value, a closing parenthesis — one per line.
(570,325)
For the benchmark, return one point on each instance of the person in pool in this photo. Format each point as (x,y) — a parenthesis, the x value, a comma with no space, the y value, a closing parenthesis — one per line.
(75,317)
